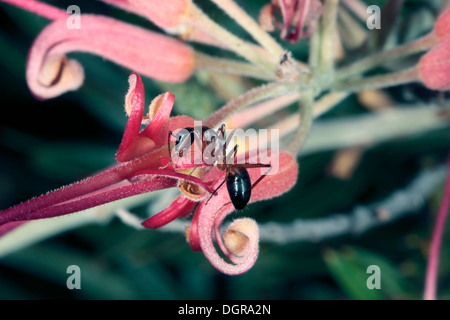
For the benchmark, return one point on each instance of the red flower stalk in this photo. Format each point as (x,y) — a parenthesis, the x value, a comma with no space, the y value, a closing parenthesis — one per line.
(434,67)
(296,14)
(140,156)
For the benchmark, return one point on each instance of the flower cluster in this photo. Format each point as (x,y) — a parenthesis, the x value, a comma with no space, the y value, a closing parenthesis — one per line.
(144,159)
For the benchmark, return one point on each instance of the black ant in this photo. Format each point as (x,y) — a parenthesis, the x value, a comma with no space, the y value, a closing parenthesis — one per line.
(238,181)
(185,138)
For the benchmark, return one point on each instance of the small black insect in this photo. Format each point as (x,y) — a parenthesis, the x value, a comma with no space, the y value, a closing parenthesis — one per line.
(237,179)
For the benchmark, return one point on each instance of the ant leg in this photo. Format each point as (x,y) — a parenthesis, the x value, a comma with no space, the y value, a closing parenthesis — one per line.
(215,191)
(221,130)
(258,165)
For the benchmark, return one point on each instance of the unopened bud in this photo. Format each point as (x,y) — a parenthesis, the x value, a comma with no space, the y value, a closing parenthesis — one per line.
(434,67)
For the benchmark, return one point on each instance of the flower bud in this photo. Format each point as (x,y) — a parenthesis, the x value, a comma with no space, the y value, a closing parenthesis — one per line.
(434,67)
(442,26)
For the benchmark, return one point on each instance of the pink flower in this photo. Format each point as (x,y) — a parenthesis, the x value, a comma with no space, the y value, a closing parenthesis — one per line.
(165,14)
(137,171)
(140,157)
(442,26)
(50,73)
(296,14)
(434,67)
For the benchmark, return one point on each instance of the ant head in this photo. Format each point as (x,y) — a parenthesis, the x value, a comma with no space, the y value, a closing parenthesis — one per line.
(209,136)
(183,140)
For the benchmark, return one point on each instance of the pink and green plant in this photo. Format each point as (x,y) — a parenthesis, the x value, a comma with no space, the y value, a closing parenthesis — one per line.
(316,86)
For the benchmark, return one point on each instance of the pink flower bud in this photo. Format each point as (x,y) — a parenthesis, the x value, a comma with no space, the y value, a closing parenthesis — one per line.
(442,26)
(434,67)
(50,73)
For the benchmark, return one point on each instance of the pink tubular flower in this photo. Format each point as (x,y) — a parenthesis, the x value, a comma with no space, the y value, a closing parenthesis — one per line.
(138,170)
(296,14)
(434,67)
(239,242)
(442,26)
(50,73)
(140,156)
(165,14)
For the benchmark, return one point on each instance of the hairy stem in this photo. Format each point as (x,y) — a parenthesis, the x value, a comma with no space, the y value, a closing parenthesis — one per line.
(210,63)
(306,118)
(328,22)
(255,95)
(250,25)
(382,81)
(200,20)
(372,61)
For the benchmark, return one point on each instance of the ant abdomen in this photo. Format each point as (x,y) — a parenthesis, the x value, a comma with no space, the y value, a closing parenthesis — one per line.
(239,186)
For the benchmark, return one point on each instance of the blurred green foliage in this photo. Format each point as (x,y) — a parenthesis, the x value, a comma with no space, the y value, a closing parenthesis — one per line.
(46,144)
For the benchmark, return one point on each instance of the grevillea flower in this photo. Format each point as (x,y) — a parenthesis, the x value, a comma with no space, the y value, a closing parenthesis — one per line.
(434,67)
(50,73)
(142,167)
(137,171)
(442,26)
(165,14)
(296,14)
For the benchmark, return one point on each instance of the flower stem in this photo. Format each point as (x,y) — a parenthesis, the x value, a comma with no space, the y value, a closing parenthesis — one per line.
(372,61)
(255,95)
(210,63)
(306,118)
(39,8)
(328,22)
(199,19)
(382,81)
(327,102)
(250,25)
(433,260)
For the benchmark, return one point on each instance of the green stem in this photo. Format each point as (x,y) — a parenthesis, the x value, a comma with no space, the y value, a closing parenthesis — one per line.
(210,63)
(257,94)
(327,102)
(314,48)
(250,25)
(378,82)
(200,20)
(306,118)
(328,22)
(372,61)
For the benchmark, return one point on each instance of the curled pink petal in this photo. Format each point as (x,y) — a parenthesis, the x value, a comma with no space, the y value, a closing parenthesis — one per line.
(132,145)
(152,54)
(179,208)
(160,110)
(208,217)
(165,14)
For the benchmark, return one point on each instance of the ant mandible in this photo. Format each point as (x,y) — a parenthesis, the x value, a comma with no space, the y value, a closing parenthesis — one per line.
(237,178)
